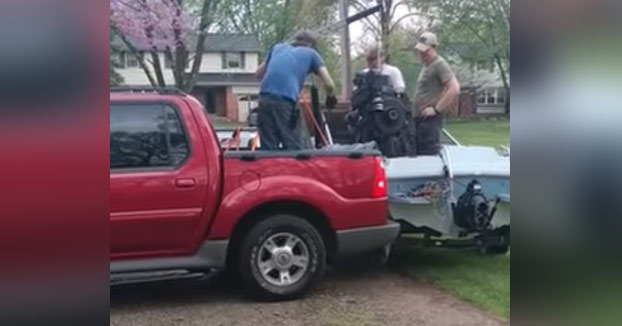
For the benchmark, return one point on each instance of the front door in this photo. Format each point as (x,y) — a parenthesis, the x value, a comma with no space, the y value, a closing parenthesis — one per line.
(158,181)
(210,100)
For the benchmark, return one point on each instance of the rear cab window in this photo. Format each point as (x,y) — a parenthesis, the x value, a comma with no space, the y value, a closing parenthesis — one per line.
(147,136)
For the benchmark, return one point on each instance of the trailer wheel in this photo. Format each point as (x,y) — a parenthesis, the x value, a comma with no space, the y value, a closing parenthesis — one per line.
(498,245)
(281,258)
(493,250)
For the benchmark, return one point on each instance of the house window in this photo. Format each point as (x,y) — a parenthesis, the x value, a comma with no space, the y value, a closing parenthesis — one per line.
(481,97)
(233,60)
(491,96)
(128,60)
(131,61)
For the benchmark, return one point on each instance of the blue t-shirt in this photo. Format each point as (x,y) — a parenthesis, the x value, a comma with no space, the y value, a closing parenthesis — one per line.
(287,68)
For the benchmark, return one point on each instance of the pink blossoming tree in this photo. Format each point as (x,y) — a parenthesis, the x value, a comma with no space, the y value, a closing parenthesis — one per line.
(150,27)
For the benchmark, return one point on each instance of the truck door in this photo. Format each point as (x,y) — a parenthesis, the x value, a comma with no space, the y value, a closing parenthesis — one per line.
(158,180)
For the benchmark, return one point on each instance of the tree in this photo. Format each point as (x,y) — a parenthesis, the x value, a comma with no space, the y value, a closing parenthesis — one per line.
(480,27)
(273,21)
(382,25)
(115,78)
(402,56)
(177,28)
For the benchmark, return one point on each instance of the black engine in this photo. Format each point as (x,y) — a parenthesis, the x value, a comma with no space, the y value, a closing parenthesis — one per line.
(379,115)
(473,211)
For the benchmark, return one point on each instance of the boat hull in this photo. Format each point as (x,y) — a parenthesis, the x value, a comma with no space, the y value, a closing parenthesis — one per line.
(450,173)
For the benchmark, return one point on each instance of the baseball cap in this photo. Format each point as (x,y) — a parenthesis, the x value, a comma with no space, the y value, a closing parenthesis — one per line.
(425,41)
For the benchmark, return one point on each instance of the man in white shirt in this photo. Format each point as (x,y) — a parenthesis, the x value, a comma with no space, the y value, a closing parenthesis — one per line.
(395,75)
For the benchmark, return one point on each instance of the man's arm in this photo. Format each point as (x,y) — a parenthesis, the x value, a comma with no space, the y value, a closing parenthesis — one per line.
(399,86)
(327,80)
(261,71)
(449,96)
(450,93)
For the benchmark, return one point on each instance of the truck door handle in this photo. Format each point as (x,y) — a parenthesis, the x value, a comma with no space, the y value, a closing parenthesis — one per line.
(185,183)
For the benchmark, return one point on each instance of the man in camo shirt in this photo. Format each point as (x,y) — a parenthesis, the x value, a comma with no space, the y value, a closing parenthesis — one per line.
(437,90)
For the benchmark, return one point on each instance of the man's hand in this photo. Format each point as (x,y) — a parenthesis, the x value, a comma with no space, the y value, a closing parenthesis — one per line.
(331,101)
(428,112)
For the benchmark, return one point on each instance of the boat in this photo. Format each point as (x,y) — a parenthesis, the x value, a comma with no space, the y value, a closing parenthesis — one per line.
(425,192)
(463,193)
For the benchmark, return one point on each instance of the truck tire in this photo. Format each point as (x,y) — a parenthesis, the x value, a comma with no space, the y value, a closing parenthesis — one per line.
(281,258)
(380,256)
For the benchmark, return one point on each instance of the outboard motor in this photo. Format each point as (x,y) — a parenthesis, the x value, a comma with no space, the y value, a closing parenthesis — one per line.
(473,211)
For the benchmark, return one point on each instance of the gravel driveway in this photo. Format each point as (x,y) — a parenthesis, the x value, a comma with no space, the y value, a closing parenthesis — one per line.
(345,297)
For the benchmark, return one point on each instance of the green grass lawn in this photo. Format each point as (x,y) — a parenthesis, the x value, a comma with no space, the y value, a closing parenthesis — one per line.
(478,279)
(484,132)
(481,280)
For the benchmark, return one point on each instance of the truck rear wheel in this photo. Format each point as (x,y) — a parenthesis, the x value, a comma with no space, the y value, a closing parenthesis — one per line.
(281,258)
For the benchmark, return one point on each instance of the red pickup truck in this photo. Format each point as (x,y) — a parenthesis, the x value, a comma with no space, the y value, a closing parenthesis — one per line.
(181,206)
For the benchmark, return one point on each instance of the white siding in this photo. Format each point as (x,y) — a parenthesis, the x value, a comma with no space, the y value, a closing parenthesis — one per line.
(211,63)
(245,90)
(483,109)
(252,61)
(136,76)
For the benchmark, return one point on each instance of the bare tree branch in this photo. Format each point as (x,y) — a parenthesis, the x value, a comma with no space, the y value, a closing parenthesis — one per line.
(408,15)
(397,5)
(140,58)
(208,8)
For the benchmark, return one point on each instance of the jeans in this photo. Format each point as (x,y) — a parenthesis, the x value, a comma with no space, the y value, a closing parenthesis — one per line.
(279,123)
(429,134)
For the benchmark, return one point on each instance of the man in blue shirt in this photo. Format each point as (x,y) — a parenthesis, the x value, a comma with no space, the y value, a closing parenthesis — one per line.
(282,77)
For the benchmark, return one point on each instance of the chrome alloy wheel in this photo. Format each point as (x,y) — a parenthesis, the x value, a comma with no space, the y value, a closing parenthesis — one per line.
(283,259)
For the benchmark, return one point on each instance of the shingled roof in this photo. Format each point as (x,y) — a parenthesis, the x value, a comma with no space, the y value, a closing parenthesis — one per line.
(232,42)
(213,43)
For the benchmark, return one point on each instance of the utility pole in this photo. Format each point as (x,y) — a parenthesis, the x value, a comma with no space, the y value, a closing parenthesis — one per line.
(346,85)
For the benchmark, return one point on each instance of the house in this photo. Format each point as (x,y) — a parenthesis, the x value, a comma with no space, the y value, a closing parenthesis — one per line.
(482,86)
(226,84)
(482,89)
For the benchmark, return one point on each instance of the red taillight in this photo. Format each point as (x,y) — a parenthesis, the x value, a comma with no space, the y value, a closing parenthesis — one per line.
(380,180)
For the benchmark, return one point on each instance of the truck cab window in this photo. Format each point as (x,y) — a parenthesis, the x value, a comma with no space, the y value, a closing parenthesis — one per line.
(179,148)
(146,136)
